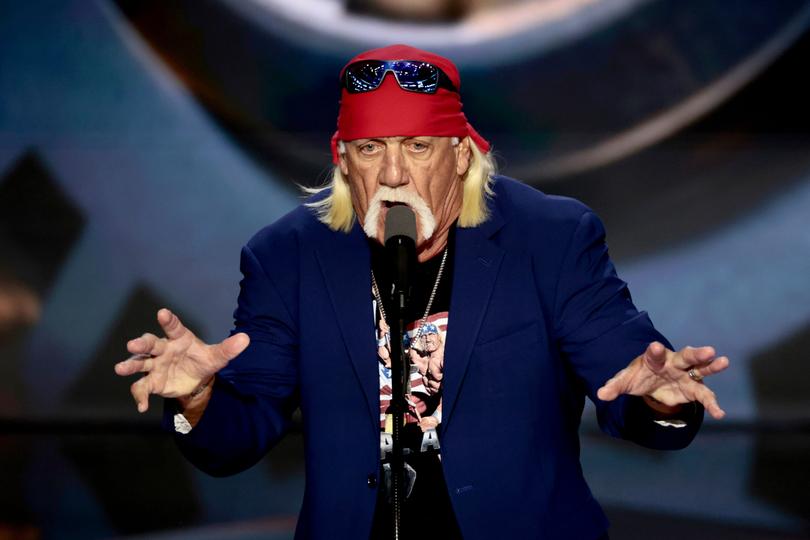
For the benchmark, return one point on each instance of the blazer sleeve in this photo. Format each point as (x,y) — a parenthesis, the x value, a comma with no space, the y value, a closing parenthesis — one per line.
(600,331)
(253,397)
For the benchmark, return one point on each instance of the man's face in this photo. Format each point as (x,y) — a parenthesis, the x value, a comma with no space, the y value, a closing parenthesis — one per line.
(423,172)
(432,342)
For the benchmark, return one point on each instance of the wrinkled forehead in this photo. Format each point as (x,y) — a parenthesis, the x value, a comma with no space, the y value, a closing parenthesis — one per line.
(406,52)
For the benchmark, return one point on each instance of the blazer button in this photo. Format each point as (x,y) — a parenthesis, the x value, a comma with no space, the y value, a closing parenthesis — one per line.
(372,481)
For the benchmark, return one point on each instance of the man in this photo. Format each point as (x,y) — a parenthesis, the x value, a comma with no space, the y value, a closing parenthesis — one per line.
(516,285)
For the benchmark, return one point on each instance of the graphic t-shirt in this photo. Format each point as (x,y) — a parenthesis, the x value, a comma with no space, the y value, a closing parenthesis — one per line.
(426,512)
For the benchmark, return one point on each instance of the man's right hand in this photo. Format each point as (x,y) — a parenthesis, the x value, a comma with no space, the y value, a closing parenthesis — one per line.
(177,364)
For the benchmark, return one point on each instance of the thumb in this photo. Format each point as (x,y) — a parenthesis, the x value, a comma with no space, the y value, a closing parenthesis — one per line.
(613,388)
(232,347)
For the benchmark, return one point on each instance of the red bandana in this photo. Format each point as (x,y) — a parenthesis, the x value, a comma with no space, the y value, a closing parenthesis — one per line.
(390,111)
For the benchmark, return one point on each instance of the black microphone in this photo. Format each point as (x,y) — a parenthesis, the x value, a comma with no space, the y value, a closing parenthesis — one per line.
(400,247)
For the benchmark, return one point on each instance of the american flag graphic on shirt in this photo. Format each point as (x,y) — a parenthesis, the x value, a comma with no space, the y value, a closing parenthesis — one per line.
(426,353)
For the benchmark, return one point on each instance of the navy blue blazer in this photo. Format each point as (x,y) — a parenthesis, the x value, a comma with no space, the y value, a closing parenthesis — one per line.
(538,320)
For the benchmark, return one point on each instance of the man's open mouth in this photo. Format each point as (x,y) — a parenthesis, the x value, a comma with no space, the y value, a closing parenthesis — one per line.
(391,204)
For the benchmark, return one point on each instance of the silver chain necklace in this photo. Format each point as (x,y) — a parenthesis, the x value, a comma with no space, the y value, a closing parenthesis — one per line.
(423,322)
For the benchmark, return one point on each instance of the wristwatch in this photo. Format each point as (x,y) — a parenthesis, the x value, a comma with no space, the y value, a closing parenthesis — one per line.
(181,424)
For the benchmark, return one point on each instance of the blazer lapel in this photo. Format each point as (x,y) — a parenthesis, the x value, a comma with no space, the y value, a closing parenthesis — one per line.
(345,262)
(476,265)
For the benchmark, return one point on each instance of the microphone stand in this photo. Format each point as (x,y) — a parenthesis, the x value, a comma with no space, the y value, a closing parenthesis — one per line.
(400,369)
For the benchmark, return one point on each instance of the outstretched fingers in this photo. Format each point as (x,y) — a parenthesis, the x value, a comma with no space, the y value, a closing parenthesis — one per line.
(708,399)
(140,390)
(139,363)
(147,344)
(655,356)
(715,366)
(171,324)
(143,350)
(690,357)
(659,369)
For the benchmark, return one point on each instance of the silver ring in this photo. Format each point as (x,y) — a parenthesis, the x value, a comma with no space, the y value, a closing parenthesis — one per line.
(694,375)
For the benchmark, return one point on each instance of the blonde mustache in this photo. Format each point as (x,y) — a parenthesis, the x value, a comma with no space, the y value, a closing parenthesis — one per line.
(424,216)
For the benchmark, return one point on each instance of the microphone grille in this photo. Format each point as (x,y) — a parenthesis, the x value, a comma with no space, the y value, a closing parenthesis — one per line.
(400,221)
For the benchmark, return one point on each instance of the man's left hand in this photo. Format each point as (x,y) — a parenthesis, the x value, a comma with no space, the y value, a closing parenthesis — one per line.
(662,375)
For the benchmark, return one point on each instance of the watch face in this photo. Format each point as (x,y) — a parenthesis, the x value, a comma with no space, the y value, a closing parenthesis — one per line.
(181,425)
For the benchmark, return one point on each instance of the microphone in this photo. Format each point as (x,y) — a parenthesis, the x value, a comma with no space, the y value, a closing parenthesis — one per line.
(400,246)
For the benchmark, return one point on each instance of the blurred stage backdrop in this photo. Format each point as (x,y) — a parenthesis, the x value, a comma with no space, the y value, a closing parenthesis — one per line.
(142,142)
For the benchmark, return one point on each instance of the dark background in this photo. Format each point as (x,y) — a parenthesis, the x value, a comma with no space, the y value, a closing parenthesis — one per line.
(143,142)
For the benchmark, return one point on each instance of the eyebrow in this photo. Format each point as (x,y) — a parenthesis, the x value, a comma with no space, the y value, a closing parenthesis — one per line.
(361,142)
(358,142)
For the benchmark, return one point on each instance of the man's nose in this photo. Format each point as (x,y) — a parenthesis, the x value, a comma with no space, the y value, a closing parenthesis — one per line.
(392,174)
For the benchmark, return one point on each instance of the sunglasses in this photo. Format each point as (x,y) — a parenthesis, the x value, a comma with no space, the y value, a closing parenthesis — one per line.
(411,75)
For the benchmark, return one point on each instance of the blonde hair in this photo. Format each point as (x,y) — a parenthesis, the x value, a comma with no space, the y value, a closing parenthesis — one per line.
(336,210)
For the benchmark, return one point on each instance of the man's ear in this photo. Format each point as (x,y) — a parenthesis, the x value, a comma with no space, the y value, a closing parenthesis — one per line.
(344,167)
(463,156)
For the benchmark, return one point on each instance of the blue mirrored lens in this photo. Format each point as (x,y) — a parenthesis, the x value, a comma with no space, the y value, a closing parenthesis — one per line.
(416,76)
(365,76)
